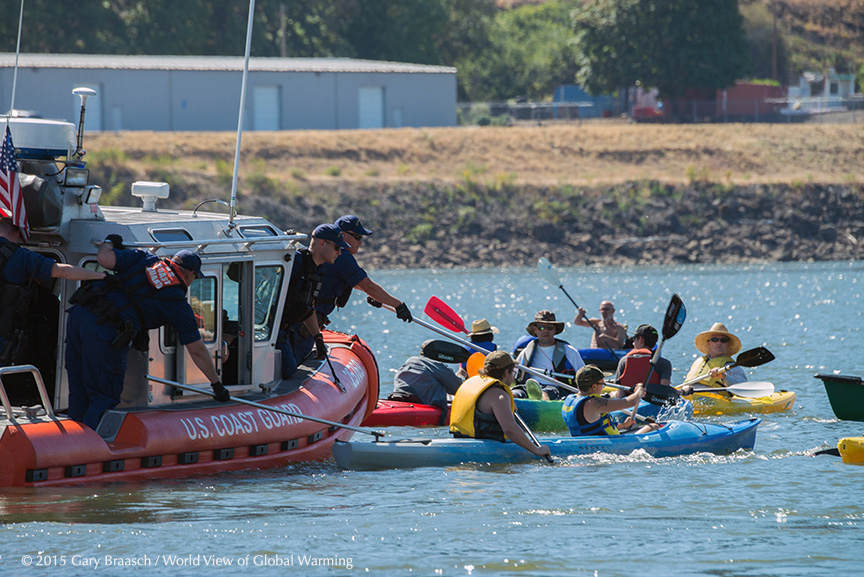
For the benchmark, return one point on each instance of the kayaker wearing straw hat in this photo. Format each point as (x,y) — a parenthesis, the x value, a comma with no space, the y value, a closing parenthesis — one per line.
(717,345)
(481,335)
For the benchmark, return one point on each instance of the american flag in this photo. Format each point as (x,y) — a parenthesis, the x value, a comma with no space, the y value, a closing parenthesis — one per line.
(11,199)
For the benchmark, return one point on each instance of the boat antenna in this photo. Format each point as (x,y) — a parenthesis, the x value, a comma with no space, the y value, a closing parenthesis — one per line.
(233,202)
(17,53)
(83,93)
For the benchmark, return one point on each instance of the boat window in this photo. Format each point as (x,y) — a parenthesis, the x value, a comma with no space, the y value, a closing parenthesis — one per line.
(256,231)
(202,297)
(268,284)
(170,235)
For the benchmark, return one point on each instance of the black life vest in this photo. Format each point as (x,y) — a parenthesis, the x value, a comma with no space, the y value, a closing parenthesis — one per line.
(15,303)
(302,296)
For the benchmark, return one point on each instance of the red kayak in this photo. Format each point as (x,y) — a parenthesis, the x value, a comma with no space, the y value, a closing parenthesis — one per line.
(400,414)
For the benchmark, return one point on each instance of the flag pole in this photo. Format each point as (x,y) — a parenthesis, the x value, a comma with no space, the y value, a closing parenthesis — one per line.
(17,52)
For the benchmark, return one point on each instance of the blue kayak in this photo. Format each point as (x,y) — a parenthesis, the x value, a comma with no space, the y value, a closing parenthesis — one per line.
(604,359)
(546,415)
(674,438)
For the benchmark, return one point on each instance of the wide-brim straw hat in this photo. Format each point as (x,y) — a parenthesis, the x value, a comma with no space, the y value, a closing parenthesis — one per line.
(482,327)
(718,329)
(546,318)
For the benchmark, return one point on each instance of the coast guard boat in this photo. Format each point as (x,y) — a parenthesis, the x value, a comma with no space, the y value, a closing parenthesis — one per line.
(164,427)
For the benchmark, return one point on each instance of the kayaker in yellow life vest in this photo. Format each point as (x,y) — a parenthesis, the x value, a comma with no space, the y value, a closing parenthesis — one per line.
(587,413)
(717,346)
(483,406)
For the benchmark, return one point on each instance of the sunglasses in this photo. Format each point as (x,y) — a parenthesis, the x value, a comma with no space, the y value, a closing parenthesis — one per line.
(545,327)
(355,236)
(718,340)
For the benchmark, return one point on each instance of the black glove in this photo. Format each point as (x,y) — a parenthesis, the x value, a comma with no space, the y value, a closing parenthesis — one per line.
(222,395)
(403,313)
(320,348)
(112,281)
(116,240)
(373,302)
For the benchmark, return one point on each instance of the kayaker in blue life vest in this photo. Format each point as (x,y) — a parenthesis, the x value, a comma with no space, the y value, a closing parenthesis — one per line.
(299,330)
(717,346)
(547,353)
(483,407)
(344,275)
(587,413)
(636,364)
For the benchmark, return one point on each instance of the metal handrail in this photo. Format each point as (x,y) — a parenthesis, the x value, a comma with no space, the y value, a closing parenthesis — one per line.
(40,385)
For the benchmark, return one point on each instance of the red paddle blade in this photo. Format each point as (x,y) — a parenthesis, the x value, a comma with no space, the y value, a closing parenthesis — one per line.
(441,313)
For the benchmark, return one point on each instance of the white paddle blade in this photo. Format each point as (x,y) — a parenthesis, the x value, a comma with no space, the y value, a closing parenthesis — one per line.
(544,267)
(752,389)
(749,389)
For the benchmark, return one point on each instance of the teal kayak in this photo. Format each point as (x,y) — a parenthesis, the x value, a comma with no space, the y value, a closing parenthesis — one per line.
(546,415)
(674,438)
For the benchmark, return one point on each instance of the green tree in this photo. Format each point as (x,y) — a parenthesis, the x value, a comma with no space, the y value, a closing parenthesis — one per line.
(675,45)
(532,49)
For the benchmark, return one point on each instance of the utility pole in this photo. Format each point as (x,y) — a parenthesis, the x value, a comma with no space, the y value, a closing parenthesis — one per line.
(283,45)
(774,43)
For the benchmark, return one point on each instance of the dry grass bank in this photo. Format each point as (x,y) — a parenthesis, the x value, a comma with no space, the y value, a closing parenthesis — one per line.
(590,154)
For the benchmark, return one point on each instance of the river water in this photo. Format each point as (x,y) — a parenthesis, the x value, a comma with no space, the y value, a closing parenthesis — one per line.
(776,511)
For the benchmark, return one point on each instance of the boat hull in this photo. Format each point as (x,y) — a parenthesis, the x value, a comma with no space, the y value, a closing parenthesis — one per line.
(675,438)
(852,450)
(201,439)
(604,359)
(846,395)
(401,414)
(711,404)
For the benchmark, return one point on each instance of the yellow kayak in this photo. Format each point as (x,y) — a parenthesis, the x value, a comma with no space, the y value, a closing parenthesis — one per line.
(852,450)
(718,404)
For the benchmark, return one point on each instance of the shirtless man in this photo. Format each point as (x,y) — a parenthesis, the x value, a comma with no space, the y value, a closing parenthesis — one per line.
(609,334)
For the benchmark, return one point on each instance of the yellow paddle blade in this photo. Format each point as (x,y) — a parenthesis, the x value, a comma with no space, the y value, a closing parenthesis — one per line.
(474,364)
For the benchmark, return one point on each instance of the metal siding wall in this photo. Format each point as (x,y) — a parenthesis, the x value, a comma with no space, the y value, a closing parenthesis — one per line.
(425,99)
(309,102)
(208,100)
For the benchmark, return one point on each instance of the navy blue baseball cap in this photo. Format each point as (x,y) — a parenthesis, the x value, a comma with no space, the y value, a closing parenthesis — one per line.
(330,232)
(350,223)
(190,261)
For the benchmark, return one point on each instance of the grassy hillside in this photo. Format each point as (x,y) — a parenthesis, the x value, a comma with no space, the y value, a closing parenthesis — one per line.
(285,163)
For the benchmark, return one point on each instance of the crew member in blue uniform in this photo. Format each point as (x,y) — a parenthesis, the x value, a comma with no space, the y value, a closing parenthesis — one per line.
(299,330)
(20,268)
(344,275)
(145,292)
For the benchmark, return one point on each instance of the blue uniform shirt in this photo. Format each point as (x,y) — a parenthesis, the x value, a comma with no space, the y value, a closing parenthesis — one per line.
(340,276)
(25,264)
(167,306)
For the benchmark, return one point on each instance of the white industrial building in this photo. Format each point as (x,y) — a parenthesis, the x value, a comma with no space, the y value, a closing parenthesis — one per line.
(195,93)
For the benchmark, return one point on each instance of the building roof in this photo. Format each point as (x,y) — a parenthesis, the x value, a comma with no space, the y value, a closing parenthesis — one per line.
(214,63)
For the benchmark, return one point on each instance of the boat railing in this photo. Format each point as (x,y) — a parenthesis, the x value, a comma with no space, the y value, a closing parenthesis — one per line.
(40,385)
(200,245)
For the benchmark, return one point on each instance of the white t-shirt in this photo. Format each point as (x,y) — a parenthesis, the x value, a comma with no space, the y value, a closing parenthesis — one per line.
(543,360)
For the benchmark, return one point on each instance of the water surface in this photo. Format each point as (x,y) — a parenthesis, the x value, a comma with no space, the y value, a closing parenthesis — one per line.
(776,511)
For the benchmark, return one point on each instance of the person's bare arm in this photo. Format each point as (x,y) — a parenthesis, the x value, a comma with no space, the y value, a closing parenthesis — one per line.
(500,404)
(105,256)
(583,321)
(596,406)
(70,272)
(201,357)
